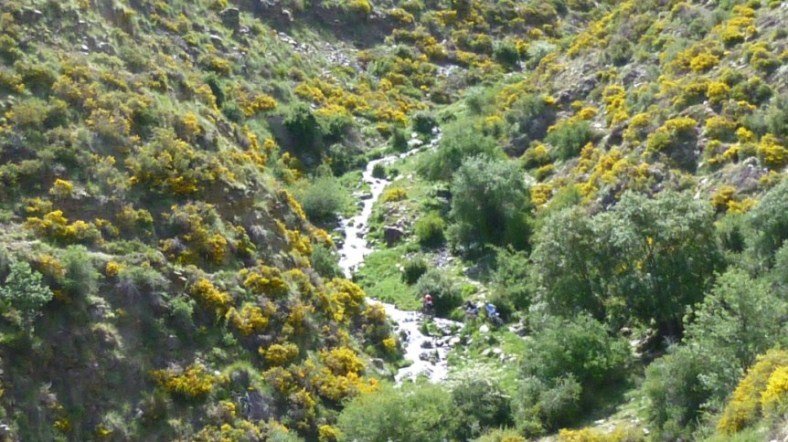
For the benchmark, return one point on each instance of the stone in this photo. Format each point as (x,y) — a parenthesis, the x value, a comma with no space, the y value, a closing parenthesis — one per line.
(484,328)
(378,363)
(392,235)
(231,17)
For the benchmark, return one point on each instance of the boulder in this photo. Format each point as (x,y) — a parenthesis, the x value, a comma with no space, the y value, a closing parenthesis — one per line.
(231,17)
(392,235)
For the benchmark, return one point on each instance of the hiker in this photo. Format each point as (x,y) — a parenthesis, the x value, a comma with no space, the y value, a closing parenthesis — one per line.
(492,314)
(471,310)
(427,307)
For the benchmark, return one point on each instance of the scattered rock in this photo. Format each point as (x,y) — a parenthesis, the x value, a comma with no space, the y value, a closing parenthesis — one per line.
(231,17)
(392,235)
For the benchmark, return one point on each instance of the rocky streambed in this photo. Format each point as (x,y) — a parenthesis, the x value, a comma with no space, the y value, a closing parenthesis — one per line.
(427,352)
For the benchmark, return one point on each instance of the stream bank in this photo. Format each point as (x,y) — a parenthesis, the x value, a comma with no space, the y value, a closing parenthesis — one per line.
(427,353)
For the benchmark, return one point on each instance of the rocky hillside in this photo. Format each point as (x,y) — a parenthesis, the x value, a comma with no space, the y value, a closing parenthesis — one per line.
(171,172)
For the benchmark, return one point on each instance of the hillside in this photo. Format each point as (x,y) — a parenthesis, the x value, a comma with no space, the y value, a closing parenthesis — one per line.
(611,175)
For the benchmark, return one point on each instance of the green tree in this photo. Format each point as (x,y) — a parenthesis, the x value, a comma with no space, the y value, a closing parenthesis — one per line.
(565,363)
(739,319)
(490,205)
(460,141)
(675,393)
(24,292)
(769,225)
(646,259)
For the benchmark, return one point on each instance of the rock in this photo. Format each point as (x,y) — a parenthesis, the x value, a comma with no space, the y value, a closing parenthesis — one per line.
(484,328)
(231,17)
(454,341)
(426,344)
(497,351)
(378,363)
(30,16)
(392,235)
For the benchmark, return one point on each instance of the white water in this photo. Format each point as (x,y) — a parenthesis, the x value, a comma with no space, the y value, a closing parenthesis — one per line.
(427,353)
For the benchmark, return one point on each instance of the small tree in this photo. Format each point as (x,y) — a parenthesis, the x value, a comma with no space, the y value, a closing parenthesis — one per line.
(490,204)
(24,292)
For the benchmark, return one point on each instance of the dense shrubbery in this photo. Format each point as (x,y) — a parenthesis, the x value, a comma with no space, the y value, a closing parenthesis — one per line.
(443,288)
(644,260)
(490,205)
(459,142)
(566,363)
(323,199)
(430,229)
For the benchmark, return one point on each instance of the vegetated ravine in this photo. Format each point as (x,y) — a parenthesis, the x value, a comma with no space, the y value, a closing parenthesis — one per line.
(427,353)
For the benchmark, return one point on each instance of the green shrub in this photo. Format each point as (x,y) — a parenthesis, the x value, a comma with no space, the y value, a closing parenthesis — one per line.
(568,138)
(379,171)
(445,292)
(24,292)
(769,224)
(303,127)
(413,270)
(675,393)
(323,198)
(325,262)
(423,122)
(399,140)
(429,229)
(564,365)
(505,52)
(460,141)
(510,279)
(412,413)
(481,405)
(529,117)
(81,276)
(490,205)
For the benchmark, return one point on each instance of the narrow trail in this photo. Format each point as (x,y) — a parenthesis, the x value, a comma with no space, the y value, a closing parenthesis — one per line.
(427,353)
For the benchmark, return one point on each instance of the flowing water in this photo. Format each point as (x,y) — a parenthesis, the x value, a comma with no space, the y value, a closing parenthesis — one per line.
(427,352)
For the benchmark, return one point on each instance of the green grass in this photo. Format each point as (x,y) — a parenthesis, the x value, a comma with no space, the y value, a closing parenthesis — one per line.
(381,278)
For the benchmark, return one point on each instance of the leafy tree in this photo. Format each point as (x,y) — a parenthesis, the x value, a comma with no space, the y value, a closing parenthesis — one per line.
(564,364)
(769,222)
(580,346)
(568,266)
(460,141)
(24,292)
(675,393)
(646,259)
(740,318)
(411,413)
(490,205)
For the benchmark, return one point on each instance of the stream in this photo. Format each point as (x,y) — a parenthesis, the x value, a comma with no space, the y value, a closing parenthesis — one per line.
(426,352)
